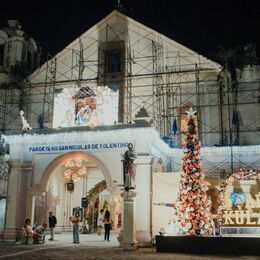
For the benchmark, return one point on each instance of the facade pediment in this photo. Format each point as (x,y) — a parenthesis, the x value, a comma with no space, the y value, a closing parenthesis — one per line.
(119,27)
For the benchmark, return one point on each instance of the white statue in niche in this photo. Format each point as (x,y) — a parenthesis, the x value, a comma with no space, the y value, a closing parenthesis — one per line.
(26,125)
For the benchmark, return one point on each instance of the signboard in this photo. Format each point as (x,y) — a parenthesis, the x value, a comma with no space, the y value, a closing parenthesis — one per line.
(76,147)
(248,213)
(84,202)
(70,186)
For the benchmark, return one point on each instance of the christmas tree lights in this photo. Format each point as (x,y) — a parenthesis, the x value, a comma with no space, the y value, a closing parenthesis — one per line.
(192,205)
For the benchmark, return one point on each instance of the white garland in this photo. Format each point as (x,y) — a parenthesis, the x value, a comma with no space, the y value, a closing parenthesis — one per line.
(163,148)
(158,147)
(78,136)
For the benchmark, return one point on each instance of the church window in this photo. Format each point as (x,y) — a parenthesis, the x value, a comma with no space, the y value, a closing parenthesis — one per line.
(113,61)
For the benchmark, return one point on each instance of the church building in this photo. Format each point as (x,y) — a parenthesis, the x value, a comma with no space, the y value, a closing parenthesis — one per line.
(120,82)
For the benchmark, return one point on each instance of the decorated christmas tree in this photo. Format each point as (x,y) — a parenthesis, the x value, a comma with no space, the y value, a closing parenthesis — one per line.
(192,204)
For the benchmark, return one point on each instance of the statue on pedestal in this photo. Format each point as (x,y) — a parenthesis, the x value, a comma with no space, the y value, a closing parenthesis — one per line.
(129,168)
(26,125)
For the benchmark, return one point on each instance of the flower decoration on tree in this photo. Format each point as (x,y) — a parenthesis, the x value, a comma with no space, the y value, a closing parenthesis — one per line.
(192,204)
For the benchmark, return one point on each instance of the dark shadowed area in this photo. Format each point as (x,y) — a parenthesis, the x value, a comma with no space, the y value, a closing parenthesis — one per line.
(199,25)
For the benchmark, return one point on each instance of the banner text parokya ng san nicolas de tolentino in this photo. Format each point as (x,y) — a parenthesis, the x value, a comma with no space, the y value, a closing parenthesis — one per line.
(76,147)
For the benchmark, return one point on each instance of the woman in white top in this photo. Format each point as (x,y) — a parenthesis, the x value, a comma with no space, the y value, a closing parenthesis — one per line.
(100,221)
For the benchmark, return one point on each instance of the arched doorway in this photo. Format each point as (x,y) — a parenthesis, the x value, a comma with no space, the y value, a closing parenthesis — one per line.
(55,194)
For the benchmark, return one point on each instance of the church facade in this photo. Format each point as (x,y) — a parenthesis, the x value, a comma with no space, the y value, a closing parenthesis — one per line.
(121,82)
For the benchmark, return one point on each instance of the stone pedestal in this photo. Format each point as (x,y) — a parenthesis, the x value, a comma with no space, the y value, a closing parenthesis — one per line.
(129,230)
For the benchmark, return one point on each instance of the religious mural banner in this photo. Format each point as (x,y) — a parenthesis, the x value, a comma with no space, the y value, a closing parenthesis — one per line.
(86,106)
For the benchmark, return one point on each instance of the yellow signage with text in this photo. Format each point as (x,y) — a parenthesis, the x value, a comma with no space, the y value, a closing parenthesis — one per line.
(250,216)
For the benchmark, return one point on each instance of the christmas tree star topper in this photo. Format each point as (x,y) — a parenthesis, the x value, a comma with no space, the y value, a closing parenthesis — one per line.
(191,113)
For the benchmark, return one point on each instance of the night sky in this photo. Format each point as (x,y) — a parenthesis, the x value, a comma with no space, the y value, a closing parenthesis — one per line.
(199,25)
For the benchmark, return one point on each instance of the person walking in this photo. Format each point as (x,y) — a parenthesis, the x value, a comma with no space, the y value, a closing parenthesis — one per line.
(107,220)
(75,220)
(52,224)
(100,221)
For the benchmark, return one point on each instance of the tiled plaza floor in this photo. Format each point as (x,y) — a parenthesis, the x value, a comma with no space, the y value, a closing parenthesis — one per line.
(92,247)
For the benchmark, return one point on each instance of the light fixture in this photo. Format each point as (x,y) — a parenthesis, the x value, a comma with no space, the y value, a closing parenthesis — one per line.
(74,169)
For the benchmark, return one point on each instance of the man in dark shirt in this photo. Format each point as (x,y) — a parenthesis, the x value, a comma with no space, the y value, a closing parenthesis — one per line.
(52,223)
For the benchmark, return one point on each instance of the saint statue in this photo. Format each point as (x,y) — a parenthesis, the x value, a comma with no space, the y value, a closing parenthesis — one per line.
(26,125)
(129,168)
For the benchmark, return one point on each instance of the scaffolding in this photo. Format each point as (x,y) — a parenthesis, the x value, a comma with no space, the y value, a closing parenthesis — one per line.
(3,179)
(158,75)
(3,169)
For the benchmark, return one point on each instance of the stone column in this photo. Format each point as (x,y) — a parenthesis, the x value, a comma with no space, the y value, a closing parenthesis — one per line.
(129,231)
(19,180)
(31,205)
(144,200)
(9,233)
(25,206)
